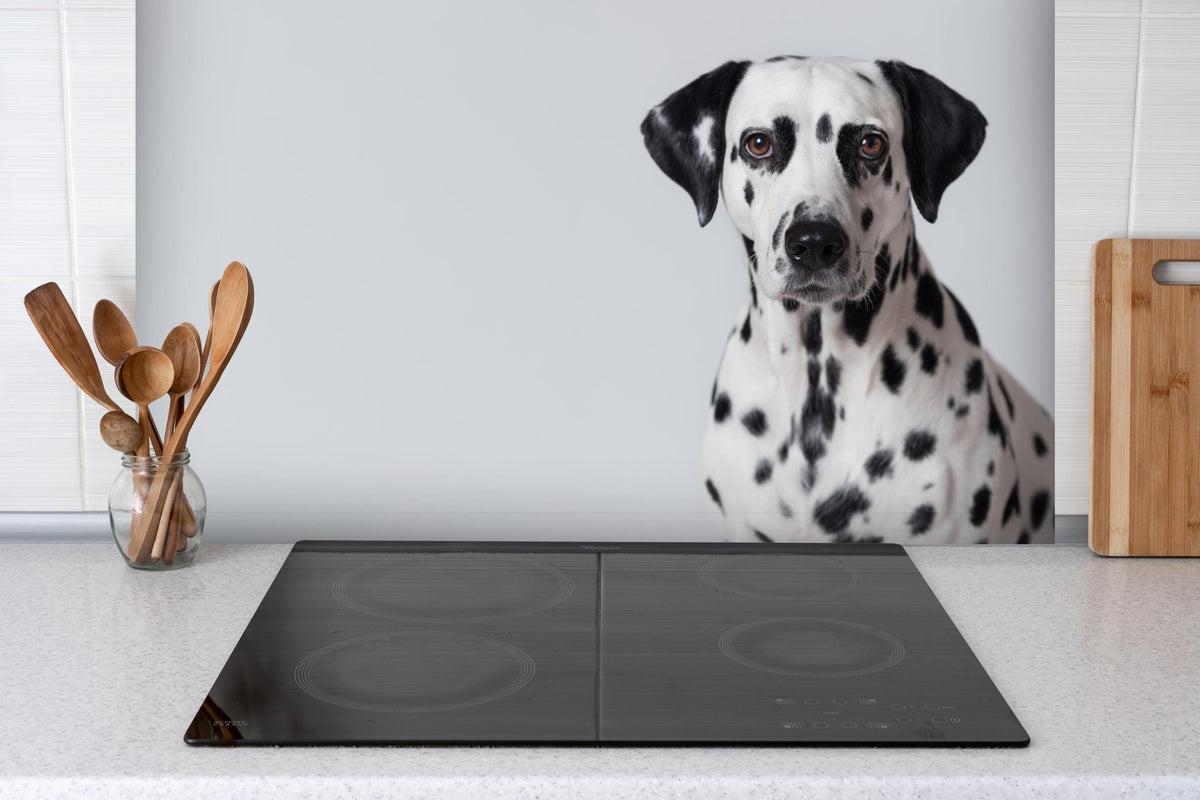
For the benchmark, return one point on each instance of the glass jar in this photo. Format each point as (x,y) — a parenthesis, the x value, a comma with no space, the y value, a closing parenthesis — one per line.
(166,537)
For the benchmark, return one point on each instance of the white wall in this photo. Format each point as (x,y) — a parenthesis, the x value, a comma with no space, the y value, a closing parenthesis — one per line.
(66,215)
(1127,164)
(479,304)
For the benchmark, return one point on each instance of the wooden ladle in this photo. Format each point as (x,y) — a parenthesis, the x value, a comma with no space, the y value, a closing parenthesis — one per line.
(60,330)
(121,432)
(145,374)
(112,331)
(181,347)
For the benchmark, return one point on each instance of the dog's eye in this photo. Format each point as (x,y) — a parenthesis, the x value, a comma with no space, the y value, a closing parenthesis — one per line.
(872,145)
(757,145)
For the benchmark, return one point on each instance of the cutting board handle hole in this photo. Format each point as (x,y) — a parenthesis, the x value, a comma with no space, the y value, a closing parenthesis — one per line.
(1172,272)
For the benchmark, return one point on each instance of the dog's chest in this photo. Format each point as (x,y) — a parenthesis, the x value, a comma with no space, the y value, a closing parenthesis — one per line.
(815,436)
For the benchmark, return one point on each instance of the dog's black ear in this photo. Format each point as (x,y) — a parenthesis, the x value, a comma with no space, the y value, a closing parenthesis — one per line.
(943,132)
(673,131)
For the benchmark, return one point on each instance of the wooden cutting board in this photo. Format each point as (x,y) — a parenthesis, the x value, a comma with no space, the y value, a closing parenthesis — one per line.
(1145,486)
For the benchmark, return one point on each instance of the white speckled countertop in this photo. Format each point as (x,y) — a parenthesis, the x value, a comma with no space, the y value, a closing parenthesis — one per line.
(102,668)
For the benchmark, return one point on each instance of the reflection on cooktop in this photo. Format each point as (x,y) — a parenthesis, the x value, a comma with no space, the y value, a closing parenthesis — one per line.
(414,671)
(811,647)
(470,587)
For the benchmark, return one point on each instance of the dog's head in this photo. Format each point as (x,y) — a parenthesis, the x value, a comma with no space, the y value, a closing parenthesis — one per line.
(816,159)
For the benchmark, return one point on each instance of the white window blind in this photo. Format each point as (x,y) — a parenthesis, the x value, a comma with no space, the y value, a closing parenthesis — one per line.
(67,121)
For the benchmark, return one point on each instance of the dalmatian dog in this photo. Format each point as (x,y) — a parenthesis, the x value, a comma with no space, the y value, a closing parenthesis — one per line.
(854,401)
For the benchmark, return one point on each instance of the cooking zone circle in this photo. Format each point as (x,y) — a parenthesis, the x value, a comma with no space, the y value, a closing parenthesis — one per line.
(469,587)
(781,577)
(414,672)
(812,647)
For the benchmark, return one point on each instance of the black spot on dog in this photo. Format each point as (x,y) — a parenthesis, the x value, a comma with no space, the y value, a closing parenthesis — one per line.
(833,374)
(762,537)
(753,291)
(865,78)
(929,359)
(857,315)
(755,421)
(834,512)
(748,243)
(921,519)
(996,426)
(849,136)
(950,403)
(973,377)
(714,494)
(784,144)
(1039,504)
(914,339)
(808,477)
(775,237)
(887,171)
(785,510)
(900,271)
(962,411)
(722,407)
(790,305)
(991,468)
(981,503)
(824,129)
(783,452)
(1013,505)
(879,465)
(746,329)
(733,155)
(929,299)
(762,473)
(867,216)
(1039,445)
(1023,538)
(919,444)
(892,370)
(964,320)
(749,192)
(817,420)
(810,332)
(1007,400)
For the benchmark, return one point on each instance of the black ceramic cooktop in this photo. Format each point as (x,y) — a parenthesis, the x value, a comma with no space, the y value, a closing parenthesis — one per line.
(532,643)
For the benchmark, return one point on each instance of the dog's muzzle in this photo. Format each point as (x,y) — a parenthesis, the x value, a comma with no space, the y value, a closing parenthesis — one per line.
(814,245)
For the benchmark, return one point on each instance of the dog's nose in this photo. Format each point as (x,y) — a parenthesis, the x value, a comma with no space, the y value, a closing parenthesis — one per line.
(815,244)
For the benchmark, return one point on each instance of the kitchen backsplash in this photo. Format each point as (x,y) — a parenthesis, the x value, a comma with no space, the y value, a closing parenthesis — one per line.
(1126,164)
(66,215)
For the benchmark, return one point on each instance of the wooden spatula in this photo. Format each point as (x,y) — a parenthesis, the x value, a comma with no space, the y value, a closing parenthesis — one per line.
(60,330)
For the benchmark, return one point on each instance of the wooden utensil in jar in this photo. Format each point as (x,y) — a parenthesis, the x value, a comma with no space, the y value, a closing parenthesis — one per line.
(231,315)
(56,323)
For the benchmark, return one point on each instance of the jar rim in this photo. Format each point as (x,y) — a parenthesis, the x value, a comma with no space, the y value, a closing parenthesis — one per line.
(155,461)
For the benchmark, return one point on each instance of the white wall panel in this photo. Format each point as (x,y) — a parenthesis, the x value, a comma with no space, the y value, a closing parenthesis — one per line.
(1096,68)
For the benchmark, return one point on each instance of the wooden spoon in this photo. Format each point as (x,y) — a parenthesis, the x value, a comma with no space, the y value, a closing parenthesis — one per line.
(60,330)
(181,347)
(231,315)
(111,329)
(146,374)
(212,307)
(121,432)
